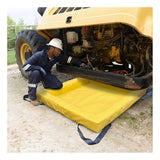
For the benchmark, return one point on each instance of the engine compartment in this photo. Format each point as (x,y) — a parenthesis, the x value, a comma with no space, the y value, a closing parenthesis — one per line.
(115,48)
(115,54)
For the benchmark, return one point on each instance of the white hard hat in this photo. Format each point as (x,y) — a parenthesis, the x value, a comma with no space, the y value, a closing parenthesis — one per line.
(55,42)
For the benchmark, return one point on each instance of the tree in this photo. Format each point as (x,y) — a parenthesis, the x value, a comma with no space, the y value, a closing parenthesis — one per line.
(11,35)
(20,25)
(10,21)
(12,30)
(21,22)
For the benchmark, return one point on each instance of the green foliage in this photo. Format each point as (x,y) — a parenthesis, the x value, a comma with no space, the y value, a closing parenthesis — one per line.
(10,32)
(10,21)
(20,25)
(11,59)
(13,29)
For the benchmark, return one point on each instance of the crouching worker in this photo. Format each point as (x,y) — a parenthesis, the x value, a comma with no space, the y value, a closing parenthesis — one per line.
(38,68)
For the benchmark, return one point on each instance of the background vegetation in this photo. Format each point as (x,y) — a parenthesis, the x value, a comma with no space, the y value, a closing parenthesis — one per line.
(13,29)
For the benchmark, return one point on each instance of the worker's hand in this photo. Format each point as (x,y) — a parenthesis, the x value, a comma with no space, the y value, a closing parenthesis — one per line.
(42,71)
(83,65)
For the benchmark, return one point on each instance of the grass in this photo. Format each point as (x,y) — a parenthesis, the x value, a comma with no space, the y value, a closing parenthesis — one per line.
(11,59)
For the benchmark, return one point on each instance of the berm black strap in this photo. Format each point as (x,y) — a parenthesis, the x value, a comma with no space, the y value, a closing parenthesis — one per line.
(98,138)
(26,98)
(148,93)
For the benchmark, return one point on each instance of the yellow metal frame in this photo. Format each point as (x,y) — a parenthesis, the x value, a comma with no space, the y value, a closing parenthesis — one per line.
(140,18)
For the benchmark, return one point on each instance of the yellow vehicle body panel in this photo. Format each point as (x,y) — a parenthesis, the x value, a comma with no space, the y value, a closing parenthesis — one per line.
(90,103)
(140,18)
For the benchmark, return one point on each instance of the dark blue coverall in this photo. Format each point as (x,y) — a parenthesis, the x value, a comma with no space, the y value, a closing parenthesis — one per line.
(38,68)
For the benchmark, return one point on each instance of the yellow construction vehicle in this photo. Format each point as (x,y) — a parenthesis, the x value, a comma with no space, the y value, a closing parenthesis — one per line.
(116,42)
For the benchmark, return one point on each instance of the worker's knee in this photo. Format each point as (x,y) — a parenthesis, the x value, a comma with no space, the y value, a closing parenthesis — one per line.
(60,86)
(51,81)
(36,73)
(53,85)
(34,76)
(57,84)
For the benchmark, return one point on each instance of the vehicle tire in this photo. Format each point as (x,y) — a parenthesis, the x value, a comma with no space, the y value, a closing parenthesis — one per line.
(27,43)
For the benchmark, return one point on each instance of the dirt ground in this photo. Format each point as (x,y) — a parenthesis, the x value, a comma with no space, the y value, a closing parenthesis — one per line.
(41,129)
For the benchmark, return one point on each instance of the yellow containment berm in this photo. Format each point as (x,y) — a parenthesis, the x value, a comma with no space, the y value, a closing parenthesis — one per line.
(90,103)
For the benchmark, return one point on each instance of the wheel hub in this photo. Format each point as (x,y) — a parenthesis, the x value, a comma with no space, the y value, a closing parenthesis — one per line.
(25,52)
